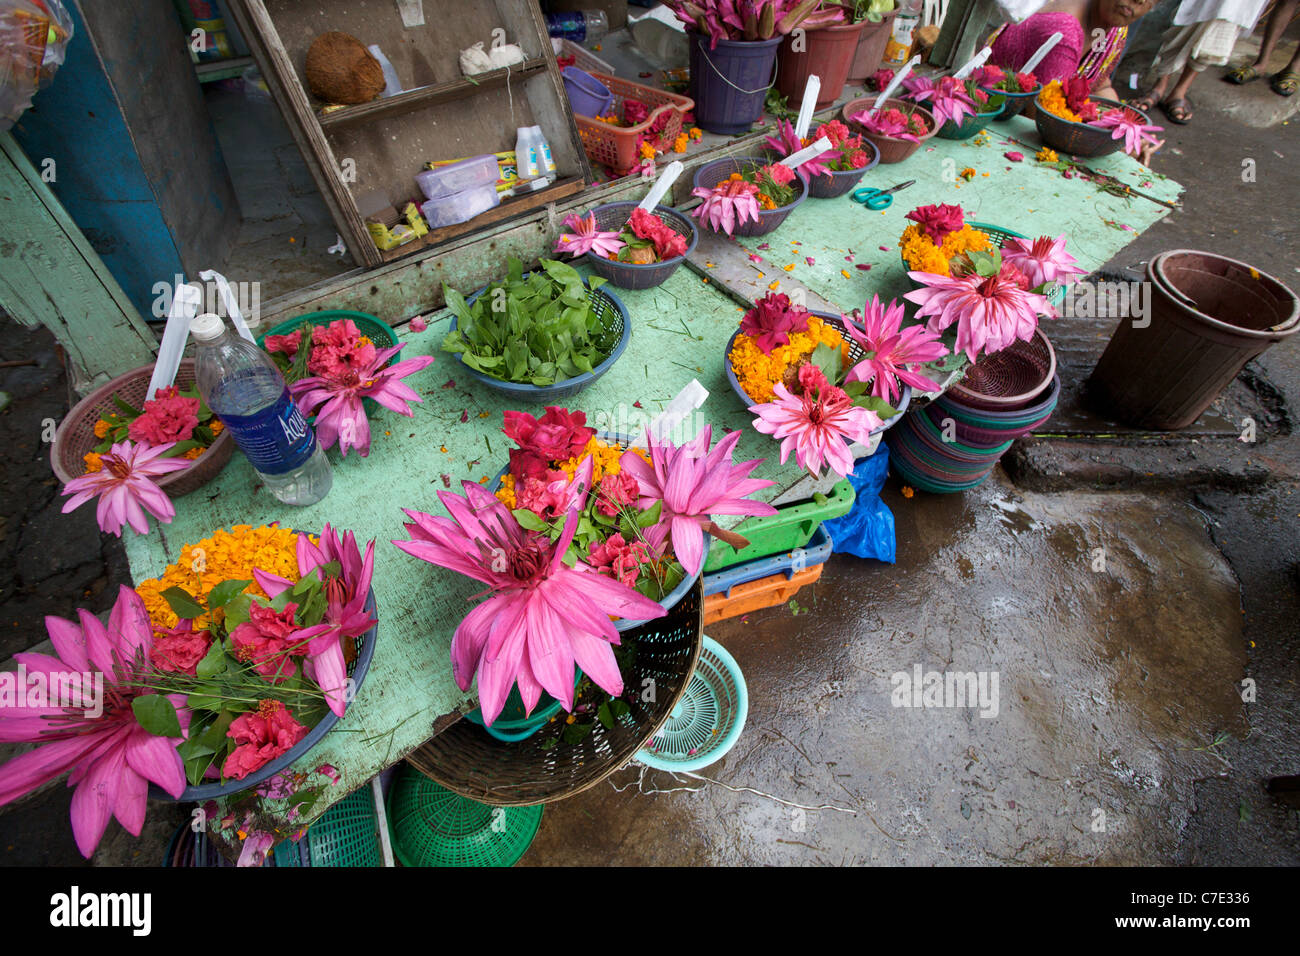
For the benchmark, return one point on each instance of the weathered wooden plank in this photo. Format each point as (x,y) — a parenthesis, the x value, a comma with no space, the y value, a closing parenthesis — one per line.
(50,276)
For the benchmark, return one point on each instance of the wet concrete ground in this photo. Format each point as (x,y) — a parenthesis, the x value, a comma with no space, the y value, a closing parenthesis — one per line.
(1114,627)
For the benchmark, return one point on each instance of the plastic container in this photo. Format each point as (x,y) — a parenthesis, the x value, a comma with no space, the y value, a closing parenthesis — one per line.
(730,81)
(841,181)
(587,95)
(790,563)
(827,52)
(76,433)
(472,173)
(513,724)
(462,206)
(1080,139)
(707,721)
(710,174)
(1210,315)
(1016,103)
(629,275)
(617,146)
(580,26)
(969,126)
(765,592)
(347,834)
(791,527)
(892,149)
(243,387)
(870,53)
(613,317)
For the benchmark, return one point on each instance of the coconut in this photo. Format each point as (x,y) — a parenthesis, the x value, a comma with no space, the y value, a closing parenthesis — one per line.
(341,70)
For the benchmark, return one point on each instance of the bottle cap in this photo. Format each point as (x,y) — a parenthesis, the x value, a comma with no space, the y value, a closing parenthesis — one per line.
(207,327)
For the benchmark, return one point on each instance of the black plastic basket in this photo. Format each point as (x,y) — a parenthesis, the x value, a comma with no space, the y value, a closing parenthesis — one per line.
(710,174)
(611,217)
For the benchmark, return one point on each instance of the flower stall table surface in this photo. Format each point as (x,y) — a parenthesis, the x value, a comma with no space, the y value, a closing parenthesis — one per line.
(679,331)
(1027,197)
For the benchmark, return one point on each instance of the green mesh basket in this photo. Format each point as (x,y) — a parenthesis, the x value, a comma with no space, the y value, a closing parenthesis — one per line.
(431,826)
(347,834)
(368,325)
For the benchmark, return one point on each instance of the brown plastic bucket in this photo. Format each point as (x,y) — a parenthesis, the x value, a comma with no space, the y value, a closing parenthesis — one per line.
(1210,315)
(829,52)
(871,47)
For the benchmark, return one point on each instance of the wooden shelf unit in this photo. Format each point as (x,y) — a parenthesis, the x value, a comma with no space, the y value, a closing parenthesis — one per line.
(366,156)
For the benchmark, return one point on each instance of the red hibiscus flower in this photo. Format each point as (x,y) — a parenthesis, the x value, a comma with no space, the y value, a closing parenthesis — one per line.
(937,221)
(556,436)
(616,491)
(167,418)
(337,350)
(781,175)
(180,649)
(288,344)
(261,736)
(265,639)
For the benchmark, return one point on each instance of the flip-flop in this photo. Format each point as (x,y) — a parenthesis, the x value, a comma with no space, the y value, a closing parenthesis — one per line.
(1183,105)
(1145,103)
(1242,75)
(1285,83)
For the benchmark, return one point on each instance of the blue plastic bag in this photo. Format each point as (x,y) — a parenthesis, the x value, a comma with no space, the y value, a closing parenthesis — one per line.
(868,529)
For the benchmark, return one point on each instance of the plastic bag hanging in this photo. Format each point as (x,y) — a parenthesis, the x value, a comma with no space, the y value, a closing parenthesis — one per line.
(34,37)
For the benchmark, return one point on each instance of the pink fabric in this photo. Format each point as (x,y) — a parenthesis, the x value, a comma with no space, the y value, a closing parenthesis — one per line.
(1019,41)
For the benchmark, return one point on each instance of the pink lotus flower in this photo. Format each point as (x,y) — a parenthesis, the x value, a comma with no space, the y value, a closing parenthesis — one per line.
(727,205)
(817,426)
(891,122)
(335,400)
(785,143)
(257,844)
(895,354)
(772,321)
(542,617)
(1127,127)
(991,312)
(948,99)
(125,487)
(345,612)
(585,237)
(112,758)
(693,483)
(1042,260)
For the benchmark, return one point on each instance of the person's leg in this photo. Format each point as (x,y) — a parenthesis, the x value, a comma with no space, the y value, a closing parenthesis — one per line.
(1277,23)
(1176,106)
(1169,60)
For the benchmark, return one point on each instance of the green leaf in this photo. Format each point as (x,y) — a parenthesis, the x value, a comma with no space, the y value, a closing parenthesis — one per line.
(181,447)
(156,714)
(650,516)
(827,358)
(130,410)
(574,733)
(878,405)
(237,610)
(281,600)
(183,604)
(221,595)
(214,662)
(529,521)
(619,706)
(605,716)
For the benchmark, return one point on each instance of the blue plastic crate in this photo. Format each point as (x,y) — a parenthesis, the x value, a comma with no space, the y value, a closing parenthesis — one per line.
(817,551)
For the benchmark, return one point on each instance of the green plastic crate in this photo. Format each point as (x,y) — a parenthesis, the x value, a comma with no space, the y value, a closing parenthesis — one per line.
(791,527)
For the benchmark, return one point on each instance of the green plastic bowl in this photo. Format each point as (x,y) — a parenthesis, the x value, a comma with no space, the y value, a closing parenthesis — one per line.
(378,331)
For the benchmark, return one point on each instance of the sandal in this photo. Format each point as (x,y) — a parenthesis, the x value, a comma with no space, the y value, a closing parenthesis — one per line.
(1242,75)
(1285,83)
(1179,111)
(1144,103)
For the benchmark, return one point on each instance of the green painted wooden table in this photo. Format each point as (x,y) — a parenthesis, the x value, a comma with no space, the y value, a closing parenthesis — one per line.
(679,333)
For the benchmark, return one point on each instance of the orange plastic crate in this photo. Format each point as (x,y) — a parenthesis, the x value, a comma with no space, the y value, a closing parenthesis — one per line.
(616,146)
(765,592)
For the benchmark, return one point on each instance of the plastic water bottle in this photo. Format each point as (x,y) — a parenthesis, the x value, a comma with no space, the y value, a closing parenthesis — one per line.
(242,386)
(580,26)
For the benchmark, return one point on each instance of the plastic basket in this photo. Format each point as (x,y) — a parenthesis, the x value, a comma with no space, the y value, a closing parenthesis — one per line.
(368,325)
(1016,102)
(765,592)
(612,216)
(707,721)
(841,181)
(892,149)
(1080,139)
(818,551)
(76,433)
(583,58)
(1009,379)
(513,723)
(431,826)
(618,146)
(969,126)
(347,834)
(791,527)
(710,174)
(614,320)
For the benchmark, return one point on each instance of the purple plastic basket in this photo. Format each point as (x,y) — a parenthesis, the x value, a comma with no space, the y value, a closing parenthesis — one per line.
(611,217)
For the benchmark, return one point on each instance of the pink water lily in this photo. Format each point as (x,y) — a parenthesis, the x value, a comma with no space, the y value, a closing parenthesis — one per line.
(125,487)
(948,98)
(345,612)
(1042,260)
(336,400)
(817,426)
(542,617)
(1127,127)
(991,312)
(895,353)
(785,143)
(727,205)
(693,484)
(585,237)
(111,757)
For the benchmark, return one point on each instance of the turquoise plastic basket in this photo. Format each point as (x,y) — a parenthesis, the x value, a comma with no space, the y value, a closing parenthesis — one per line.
(708,719)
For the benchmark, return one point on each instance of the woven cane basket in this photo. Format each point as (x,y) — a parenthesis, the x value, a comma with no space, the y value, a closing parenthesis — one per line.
(76,433)
(467,760)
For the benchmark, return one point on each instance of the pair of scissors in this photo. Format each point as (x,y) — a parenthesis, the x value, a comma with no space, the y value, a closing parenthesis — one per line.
(878,199)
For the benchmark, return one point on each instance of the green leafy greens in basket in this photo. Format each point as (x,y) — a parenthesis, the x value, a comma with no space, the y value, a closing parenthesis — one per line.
(536,329)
